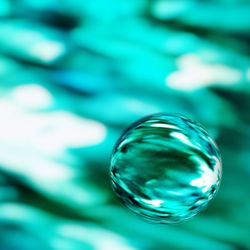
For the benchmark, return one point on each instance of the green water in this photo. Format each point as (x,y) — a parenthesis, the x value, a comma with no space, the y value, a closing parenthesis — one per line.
(74,74)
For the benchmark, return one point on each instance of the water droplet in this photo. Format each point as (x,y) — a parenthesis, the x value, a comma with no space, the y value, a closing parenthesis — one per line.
(165,168)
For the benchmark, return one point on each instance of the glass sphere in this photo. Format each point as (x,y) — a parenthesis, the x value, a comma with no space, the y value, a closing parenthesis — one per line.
(165,168)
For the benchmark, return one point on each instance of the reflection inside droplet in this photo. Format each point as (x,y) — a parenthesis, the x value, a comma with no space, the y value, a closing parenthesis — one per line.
(165,168)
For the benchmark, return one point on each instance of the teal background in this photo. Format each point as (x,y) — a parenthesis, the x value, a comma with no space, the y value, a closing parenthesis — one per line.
(74,74)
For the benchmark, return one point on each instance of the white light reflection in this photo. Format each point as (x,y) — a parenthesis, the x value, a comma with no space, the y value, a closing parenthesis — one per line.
(32,96)
(194,74)
(207,175)
(183,138)
(155,203)
(47,51)
(51,133)
(161,125)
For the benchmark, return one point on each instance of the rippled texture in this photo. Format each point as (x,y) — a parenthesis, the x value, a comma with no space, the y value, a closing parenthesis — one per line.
(165,168)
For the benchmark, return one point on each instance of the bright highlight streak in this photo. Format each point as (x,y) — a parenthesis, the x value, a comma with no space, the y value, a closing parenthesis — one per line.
(161,125)
(181,137)
(156,203)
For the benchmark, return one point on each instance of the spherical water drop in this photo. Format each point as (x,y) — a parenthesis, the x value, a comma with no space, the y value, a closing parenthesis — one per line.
(165,168)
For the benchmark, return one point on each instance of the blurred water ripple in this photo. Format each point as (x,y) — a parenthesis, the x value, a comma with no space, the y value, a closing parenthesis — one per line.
(74,74)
